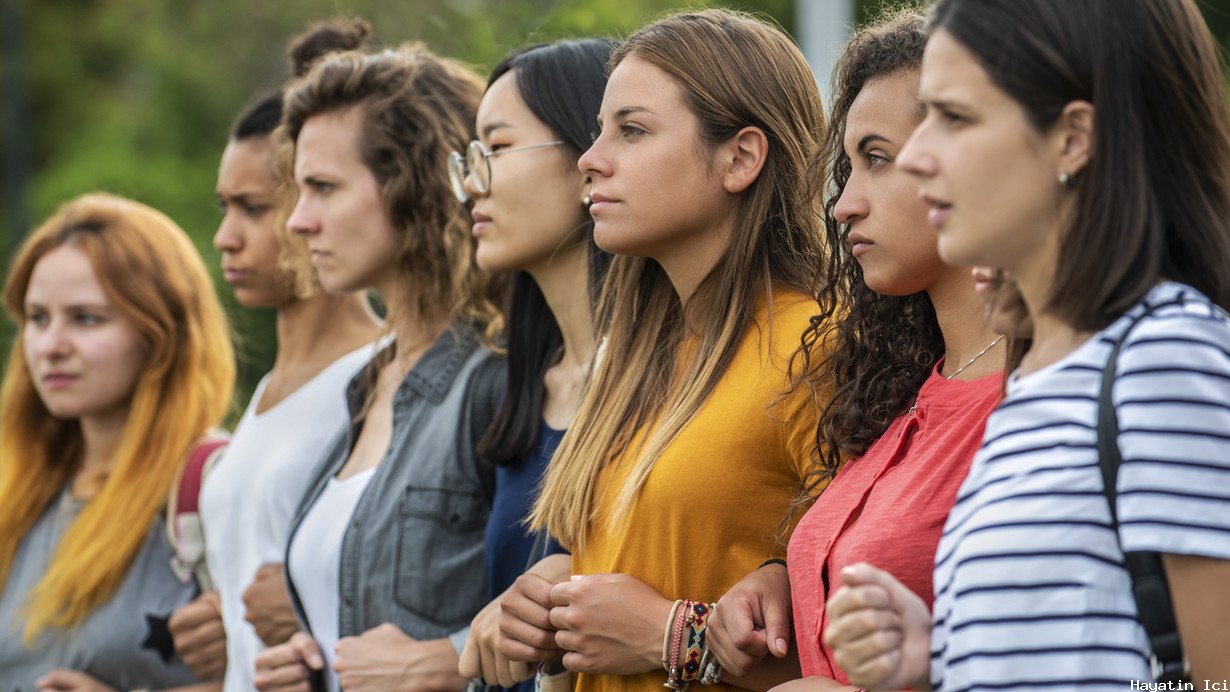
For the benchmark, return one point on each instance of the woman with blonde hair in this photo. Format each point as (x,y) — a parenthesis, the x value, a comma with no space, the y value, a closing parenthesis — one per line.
(122,365)
(688,448)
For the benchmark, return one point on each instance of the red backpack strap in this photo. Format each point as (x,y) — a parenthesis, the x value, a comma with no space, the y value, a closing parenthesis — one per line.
(188,498)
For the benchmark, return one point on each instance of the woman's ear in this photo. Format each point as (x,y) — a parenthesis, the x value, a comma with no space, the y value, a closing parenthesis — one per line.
(746,153)
(1074,132)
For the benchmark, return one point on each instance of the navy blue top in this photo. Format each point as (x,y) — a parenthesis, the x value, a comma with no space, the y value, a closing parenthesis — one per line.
(508,541)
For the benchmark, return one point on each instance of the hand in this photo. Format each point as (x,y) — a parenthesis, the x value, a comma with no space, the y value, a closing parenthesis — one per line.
(751,621)
(609,623)
(200,638)
(289,666)
(879,630)
(384,658)
(267,605)
(61,680)
(480,658)
(526,632)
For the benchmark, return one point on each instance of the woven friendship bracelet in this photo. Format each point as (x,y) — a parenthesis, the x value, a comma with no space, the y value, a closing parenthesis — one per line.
(697,622)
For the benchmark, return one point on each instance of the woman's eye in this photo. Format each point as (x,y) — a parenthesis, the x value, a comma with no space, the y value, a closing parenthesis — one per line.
(255,210)
(593,136)
(37,318)
(630,131)
(87,319)
(876,160)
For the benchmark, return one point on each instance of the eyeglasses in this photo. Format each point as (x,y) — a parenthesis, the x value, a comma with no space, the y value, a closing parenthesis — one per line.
(476,164)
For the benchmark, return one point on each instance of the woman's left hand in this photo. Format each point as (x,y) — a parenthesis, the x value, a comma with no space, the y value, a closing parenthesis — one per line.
(61,680)
(609,623)
(385,658)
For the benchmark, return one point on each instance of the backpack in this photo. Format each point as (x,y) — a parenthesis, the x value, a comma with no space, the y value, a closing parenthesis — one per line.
(183,520)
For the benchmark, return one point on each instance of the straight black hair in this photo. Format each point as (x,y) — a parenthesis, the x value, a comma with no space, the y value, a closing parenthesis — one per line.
(1154,200)
(562,84)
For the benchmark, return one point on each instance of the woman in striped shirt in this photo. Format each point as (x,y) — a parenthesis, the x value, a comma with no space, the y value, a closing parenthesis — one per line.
(1084,148)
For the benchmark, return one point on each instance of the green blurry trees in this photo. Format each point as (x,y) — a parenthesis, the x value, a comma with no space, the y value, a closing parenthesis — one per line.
(136,96)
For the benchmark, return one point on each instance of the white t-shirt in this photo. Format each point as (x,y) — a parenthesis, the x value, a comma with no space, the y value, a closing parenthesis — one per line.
(315,556)
(1031,592)
(250,496)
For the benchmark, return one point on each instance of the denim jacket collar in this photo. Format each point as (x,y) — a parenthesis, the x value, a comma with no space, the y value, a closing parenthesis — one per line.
(431,377)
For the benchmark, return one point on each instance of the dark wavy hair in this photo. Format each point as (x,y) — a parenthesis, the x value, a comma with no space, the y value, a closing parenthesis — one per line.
(562,84)
(875,350)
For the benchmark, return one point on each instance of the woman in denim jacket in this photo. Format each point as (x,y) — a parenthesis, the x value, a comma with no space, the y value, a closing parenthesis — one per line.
(385,560)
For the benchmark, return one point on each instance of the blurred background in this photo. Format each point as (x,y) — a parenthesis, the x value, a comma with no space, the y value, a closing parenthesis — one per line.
(136,97)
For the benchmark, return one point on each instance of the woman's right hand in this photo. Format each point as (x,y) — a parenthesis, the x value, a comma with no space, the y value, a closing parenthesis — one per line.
(289,666)
(526,632)
(879,630)
(752,620)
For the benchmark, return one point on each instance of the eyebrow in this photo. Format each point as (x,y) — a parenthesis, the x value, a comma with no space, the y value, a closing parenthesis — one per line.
(491,127)
(626,111)
(868,139)
(101,307)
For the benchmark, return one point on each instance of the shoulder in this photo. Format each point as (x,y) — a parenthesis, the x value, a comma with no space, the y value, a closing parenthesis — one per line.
(1182,335)
(781,321)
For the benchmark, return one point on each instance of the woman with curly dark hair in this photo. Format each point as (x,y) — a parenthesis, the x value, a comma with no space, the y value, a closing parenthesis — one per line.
(912,364)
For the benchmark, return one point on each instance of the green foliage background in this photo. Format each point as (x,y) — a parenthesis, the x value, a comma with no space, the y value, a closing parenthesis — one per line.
(136,96)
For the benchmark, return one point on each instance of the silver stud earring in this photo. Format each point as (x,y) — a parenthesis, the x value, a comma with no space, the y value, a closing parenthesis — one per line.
(586,201)
(1065,179)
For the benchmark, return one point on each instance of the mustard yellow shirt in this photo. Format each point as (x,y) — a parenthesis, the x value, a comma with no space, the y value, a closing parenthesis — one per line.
(711,509)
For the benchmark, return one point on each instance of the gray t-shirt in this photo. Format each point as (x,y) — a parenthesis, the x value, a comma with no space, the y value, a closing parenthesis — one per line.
(124,643)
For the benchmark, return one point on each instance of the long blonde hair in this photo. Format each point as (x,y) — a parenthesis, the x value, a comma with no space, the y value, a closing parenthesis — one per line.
(736,71)
(151,274)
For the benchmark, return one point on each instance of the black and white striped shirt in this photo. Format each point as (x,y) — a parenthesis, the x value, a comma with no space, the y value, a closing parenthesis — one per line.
(1030,586)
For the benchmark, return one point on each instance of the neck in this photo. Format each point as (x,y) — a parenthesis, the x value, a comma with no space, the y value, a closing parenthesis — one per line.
(560,281)
(688,261)
(101,435)
(324,323)
(415,330)
(961,315)
(1052,337)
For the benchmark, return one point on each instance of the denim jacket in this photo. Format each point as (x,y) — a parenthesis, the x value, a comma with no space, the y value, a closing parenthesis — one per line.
(413,552)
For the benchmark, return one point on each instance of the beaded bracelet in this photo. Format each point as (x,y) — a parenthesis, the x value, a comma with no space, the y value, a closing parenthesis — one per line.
(673,672)
(666,635)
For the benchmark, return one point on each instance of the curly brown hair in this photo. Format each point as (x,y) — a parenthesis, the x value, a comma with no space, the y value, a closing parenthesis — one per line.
(417,107)
(872,351)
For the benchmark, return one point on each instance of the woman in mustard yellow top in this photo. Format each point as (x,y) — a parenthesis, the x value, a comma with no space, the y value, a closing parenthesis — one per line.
(685,455)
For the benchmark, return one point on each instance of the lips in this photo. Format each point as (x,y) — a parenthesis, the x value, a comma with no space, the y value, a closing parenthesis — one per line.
(481,222)
(60,380)
(939,211)
(233,276)
(859,243)
(600,203)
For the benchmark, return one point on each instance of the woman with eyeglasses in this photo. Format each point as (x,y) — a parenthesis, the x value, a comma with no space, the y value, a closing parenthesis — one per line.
(531,218)
(385,557)
(1085,149)
(674,477)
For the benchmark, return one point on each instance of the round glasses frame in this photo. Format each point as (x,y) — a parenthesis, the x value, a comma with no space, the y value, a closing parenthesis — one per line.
(476,165)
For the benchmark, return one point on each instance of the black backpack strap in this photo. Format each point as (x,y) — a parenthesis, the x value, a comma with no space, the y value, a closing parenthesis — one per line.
(1149,584)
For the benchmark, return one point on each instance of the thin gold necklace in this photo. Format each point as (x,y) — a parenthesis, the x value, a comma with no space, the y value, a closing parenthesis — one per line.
(980,354)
